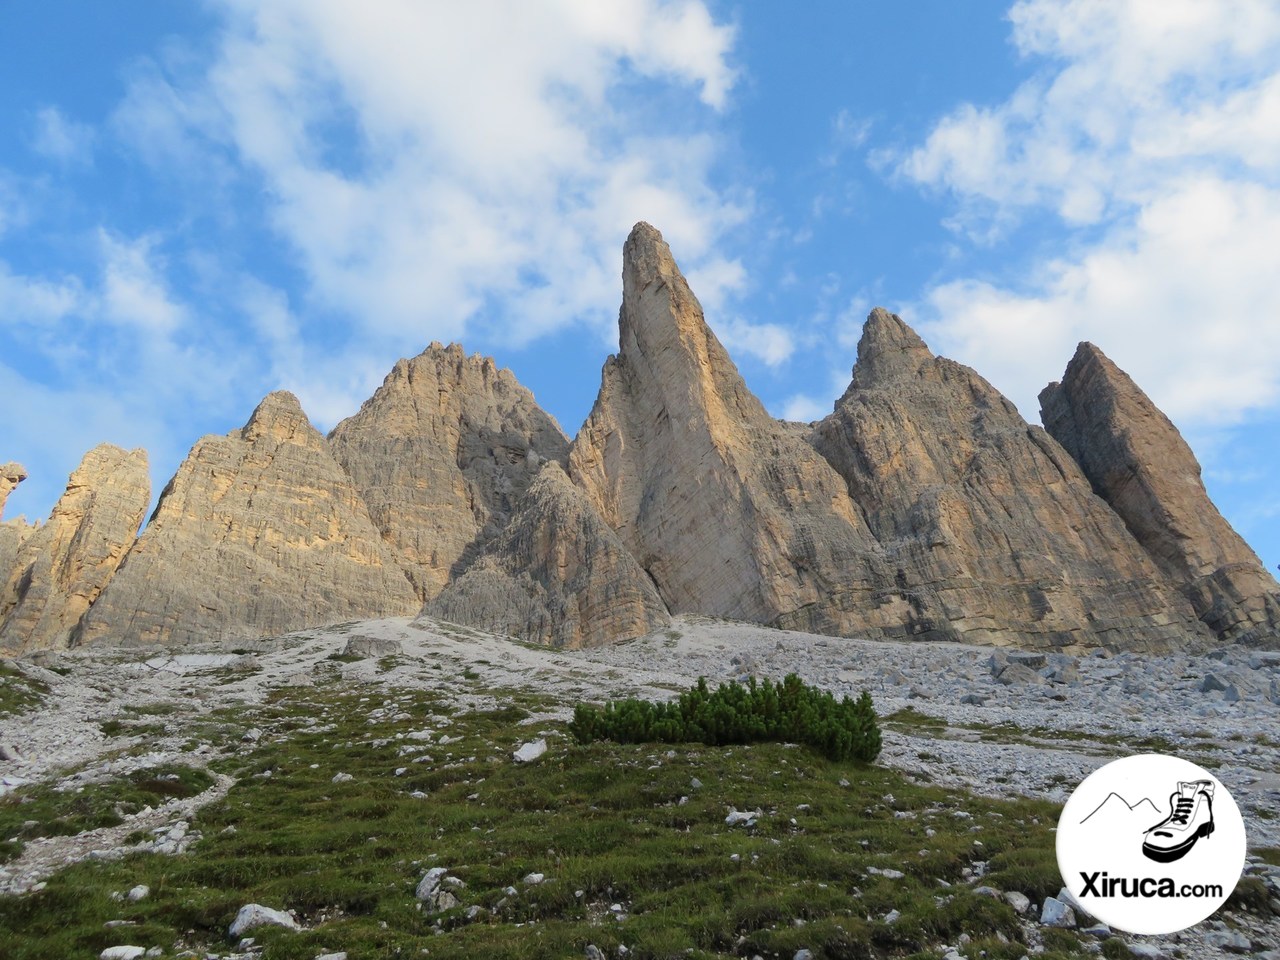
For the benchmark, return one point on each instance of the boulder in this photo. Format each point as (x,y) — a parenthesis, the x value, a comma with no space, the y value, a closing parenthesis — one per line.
(255,915)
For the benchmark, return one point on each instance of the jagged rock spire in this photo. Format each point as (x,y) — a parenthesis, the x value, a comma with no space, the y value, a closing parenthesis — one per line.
(1138,462)
(63,566)
(993,530)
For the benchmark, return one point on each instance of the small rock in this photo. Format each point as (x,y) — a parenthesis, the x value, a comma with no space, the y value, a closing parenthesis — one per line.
(695,783)
(256,915)
(362,646)
(593,952)
(252,735)
(1147,951)
(1099,930)
(140,892)
(333,956)
(892,916)
(341,778)
(430,883)
(530,751)
(1019,901)
(1231,940)
(747,817)
(803,955)
(888,873)
(533,879)
(122,953)
(1211,682)
(974,699)
(1055,913)
(991,892)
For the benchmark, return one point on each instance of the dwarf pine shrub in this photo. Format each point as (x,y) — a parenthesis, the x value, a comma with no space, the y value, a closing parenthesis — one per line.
(788,711)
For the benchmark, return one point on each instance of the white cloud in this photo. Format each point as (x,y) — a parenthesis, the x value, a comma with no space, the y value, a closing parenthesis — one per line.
(434,167)
(769,343)
(133,292)
(1148,132)
(803,408)
(62,140)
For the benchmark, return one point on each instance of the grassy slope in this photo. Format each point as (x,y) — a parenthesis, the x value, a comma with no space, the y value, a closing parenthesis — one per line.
(605,819)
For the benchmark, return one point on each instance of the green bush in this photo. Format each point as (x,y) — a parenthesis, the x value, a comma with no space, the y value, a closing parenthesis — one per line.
(787,711)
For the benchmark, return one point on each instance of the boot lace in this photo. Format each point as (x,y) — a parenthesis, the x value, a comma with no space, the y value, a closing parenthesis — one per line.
(1182,810)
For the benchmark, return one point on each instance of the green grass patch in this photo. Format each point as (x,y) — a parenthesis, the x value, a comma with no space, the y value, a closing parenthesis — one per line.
(42,811)
(607,823)
(18,692)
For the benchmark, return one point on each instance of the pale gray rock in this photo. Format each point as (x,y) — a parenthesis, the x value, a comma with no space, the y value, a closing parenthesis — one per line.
(259,532)
(126,952)
(557,575)
(530,751)
(1138,462)
(64,566)
(992,531)
(1019,901)
(1055,913)
(441,453)
(256,915)
(363,646)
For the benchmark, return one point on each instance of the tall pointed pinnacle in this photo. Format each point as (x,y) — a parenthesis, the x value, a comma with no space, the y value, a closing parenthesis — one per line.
(729,512)
(663,332)
(1137,461)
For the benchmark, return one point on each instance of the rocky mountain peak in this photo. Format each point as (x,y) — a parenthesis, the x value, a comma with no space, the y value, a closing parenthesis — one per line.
(1138,462)
(278,418)
(441,453)
(11,474)
(888,350)
(63,566)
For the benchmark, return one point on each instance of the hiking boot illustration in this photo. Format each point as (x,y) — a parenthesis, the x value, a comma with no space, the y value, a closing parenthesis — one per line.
(1190,818)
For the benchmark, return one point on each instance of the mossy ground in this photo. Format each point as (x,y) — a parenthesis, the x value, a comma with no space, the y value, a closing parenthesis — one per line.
(607,824)
(18,692)
(45,812)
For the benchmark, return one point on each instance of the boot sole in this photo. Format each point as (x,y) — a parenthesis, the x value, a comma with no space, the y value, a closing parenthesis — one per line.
(1169,854)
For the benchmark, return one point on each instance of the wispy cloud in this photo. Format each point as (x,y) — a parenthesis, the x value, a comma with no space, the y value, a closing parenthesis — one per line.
(1148,133)
(60,139)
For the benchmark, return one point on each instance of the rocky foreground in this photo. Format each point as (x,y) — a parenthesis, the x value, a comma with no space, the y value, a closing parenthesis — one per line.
(964,717)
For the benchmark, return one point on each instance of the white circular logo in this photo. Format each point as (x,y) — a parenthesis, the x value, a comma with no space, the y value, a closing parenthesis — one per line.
(1151,844)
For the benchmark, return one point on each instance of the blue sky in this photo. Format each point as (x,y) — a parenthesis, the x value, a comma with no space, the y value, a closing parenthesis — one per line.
(202,203)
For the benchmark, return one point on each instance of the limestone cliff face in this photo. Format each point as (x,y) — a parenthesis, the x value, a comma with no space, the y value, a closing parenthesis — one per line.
(1138,462)
(64,565)
(259,532)
(986,521)
(13,533)
(729,511)
(11,474)
(441,453)
(557,575)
